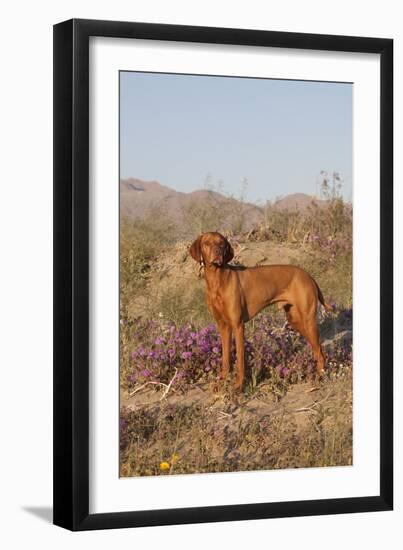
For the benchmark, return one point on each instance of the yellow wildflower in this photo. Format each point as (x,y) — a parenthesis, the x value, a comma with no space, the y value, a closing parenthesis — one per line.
(164,466)
(175,458)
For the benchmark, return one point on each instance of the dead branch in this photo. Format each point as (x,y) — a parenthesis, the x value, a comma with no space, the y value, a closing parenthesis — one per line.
(169,385)
(146,384)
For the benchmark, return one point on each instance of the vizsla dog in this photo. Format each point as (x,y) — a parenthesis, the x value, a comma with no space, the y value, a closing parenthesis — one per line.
(236,294)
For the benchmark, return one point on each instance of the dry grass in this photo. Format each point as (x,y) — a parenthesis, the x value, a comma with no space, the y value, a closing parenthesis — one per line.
(202,431)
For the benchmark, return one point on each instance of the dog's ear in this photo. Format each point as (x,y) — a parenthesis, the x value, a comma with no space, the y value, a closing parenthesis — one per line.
(195,251)
(228,253)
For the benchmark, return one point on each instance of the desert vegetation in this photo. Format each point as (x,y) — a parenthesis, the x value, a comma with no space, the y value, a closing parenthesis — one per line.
(174,417)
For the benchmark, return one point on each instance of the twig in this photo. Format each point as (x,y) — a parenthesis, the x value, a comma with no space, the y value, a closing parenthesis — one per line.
(305,409)
(325,398)
(146,384)
(311,406)
(197,387)
(169,385)
(225,414)
(249,234)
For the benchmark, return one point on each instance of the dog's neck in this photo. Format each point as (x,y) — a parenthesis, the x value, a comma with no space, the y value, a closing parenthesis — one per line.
(213,275)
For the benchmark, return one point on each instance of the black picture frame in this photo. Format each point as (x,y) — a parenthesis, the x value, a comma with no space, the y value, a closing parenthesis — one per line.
(71,274)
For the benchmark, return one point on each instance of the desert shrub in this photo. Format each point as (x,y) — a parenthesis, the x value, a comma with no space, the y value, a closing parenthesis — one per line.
(328,226)
(204,215)
(140,244)
(216,210)
(173,304)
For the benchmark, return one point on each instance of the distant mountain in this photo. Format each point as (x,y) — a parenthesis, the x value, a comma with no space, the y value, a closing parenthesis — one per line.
(145,199)
(297,201)
(189,212)
(139,198)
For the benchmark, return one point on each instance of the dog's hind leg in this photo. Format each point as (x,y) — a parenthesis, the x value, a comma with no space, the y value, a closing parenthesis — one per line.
(308,328)
(312,335)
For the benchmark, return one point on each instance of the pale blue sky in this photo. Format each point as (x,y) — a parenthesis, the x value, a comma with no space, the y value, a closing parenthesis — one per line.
(183,130)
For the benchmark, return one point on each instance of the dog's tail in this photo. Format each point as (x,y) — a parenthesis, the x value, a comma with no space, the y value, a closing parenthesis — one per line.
(322,300)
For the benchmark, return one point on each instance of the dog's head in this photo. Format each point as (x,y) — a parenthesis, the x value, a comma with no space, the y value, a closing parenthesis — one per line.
(211,249)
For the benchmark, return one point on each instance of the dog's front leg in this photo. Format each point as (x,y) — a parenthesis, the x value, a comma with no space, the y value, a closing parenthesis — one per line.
(226,334)
(240,355)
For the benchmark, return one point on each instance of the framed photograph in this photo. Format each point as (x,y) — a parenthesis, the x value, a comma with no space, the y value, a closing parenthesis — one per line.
(223,203)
